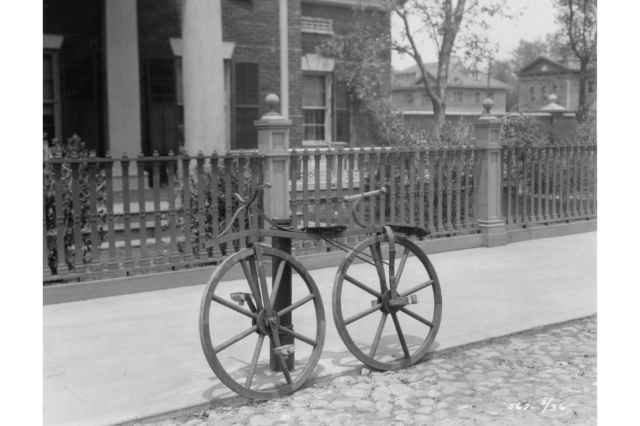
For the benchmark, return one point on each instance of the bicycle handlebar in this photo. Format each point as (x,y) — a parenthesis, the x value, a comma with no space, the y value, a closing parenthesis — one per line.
(356,197)
(253,197)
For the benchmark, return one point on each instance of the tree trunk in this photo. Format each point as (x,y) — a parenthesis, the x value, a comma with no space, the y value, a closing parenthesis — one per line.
(582,92)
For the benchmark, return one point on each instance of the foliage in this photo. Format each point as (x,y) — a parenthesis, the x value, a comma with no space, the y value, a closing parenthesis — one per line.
(522,131)
(221,202)
(73,148)
(579,31)
(588,130)
(452,30)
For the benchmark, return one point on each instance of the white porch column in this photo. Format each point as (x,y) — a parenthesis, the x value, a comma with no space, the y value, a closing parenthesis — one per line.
(123,77)
(203,77)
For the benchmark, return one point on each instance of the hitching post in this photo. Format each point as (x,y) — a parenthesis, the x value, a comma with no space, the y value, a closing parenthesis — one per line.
(273,143)
(488,209)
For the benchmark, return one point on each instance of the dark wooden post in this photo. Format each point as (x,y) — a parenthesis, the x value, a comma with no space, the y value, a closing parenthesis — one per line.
(489,200)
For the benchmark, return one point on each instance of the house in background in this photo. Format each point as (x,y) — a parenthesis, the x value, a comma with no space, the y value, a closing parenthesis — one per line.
(544,76)
(464,95)
(158,75)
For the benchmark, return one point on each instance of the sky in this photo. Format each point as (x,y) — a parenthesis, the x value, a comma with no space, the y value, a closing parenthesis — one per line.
(536,20)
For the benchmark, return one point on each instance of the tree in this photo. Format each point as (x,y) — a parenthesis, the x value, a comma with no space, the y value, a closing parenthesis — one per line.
(452,28)
(578,21)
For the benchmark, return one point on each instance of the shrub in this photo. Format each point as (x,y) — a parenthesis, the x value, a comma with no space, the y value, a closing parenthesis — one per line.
(522,131)
(73,148)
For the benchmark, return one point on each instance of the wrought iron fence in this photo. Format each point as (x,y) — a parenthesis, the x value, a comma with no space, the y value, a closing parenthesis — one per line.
(427,187)
(548,184)
(108,217)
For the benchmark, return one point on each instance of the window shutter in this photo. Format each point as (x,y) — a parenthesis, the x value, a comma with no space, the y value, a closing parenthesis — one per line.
(247,100)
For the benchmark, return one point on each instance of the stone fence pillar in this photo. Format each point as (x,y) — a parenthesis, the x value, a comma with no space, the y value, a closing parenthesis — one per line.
(488,206)
(273,142)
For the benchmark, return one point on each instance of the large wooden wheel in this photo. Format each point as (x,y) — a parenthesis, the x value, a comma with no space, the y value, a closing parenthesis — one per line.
(232,336)
(366,294)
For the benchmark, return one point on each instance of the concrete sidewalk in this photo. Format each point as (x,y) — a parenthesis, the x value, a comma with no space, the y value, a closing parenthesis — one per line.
(119,358)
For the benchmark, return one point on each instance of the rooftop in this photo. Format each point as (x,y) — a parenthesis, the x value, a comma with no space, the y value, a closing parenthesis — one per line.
(458,76)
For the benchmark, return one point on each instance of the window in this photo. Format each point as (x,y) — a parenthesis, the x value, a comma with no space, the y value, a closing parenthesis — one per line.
(51,117)
(457,96)
(316,25)
(591,86)
(314,107)
(408,98)
(555,89)
(532,94)
(544,93)
(425,99)
(476,97)
(490,94)
(247,99)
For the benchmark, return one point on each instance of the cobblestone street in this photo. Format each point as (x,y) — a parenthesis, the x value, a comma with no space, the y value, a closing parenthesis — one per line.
(545,376)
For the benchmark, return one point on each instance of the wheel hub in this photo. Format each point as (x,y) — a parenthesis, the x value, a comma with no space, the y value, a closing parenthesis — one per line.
(266,322)
(386,299)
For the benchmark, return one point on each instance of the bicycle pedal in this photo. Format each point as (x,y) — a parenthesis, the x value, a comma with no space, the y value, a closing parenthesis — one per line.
(284,350)
(402,301)
(240,298)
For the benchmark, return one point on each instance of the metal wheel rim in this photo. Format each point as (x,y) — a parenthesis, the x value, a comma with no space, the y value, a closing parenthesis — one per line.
(207,346)
(337,305)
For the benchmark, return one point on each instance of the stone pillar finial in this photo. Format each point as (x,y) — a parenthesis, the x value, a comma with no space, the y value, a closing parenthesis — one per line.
(487,104)
(272,100)
(552,106)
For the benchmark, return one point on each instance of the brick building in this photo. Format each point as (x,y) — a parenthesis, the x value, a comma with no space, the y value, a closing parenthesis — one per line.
(544,76)
(153,75)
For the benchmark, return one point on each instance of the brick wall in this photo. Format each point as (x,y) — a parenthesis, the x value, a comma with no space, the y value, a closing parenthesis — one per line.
(343,18)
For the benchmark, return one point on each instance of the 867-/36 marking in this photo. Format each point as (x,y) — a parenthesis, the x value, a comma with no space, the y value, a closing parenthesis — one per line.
(519,406)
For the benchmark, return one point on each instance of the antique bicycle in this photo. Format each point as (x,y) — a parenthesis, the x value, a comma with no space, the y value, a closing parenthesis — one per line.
(239,285)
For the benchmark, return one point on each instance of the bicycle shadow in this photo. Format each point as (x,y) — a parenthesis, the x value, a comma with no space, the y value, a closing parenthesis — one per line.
(389,350)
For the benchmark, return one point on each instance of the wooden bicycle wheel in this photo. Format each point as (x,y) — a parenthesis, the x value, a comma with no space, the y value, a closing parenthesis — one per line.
(363,299)
(232,336)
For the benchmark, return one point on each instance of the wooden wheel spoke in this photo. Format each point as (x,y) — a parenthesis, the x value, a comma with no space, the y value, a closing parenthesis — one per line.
(417,317)
(296,305)
(405,254)
(235,339)
(362,314)
(363,287)
(376,340)
(283,364)
(276,283)
(376,252)
(417,288)
(254,361)
(405,349)
(262,276)
(298,336)
(234,307)
(249,272)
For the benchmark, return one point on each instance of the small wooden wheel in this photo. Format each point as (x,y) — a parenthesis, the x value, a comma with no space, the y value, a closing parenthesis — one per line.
(365,294)
(233,329)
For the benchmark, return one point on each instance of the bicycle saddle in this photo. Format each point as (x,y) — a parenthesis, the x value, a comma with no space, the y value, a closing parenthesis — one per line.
(409,230)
